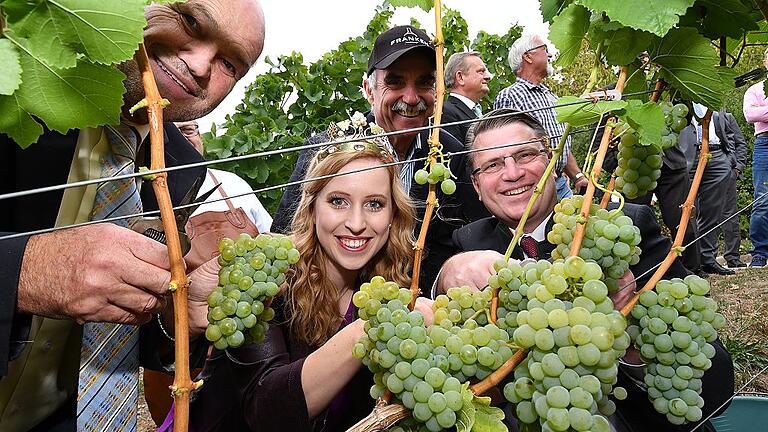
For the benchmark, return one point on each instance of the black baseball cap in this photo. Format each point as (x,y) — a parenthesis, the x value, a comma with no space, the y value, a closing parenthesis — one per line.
(395,42)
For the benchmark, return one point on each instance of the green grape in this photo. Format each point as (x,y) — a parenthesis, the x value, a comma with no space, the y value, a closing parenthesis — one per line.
(674,345)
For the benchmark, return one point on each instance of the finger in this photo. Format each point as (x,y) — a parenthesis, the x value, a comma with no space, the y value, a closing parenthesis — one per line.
(136,301)
(203,280)
(114,314)
(146,249)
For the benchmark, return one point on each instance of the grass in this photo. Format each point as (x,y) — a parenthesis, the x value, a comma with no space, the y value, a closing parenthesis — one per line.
(743,300)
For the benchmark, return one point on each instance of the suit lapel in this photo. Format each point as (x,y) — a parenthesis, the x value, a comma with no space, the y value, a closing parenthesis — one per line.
(462,107)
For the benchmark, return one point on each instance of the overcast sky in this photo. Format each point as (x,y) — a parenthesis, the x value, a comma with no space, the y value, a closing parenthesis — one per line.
(316,27)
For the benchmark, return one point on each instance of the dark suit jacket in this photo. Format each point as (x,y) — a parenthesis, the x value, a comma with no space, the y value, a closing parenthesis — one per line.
(455,110)
(636,412)
(47,163)
(732,142)
(453,212)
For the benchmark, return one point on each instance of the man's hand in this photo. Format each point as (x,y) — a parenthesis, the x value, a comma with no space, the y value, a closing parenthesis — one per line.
(203,281)
(424,305)
(99,272)
(580,183)
(626,290)
(468,268)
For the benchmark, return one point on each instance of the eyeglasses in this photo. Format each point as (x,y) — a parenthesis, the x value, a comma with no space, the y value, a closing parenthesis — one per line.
(546,50)
(521,158)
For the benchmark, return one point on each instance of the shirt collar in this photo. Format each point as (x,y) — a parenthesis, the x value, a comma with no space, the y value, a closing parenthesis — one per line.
(467,101)
(531,85)
(540,232)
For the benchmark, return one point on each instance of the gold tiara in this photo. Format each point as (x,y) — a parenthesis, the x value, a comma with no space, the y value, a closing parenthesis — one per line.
(358,129)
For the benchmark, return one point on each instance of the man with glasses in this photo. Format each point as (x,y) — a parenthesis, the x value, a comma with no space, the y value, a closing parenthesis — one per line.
(529,59)
(511,155)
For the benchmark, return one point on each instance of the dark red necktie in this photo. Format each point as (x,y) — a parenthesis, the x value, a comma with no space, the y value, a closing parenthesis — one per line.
(529,247)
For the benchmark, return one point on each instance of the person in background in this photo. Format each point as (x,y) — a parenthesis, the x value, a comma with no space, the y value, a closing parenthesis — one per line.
(529,59)
(347,228)
(756,111)
(232,184)
(466,77)
(711,197)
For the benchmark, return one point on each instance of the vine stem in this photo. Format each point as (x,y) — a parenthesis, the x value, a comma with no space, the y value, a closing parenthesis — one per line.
(676,249)
(763,6)
(179,284)
(578,236)
(434,143)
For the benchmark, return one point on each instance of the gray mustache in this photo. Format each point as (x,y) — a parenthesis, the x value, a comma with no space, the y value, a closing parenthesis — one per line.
(402,106)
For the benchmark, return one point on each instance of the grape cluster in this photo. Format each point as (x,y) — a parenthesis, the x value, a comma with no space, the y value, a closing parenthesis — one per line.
(674,122)
(439,173)
(639,165)
(610,238)
(574,338)
(675,325)
(425,367)
(252,270)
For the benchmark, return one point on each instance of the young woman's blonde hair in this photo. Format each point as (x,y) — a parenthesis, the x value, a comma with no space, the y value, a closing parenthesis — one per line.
(312,300)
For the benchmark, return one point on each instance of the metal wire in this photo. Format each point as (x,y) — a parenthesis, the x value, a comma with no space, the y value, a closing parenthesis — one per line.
(712,414)
(265,189)
(277,152)
(645,273)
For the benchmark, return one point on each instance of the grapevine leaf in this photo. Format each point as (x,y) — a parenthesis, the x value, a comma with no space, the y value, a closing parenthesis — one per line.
(585,113)
(658,16)
(725,18)
(82,96)
(551,8)
(636,82)
(567,31)
(688,63)
(647,119)
(487,418)
(106,32)
(466,418)
(424,4)
(11,76)
(622,46)
(17,123)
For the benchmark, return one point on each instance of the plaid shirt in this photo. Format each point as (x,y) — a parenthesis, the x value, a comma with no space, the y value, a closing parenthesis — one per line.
(523,95)
(408,169)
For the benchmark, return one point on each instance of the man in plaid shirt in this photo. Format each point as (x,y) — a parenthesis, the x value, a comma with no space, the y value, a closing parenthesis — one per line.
(529,58)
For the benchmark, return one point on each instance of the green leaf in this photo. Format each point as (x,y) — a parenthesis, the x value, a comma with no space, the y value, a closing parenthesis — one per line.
(17,123)
(725,18)
(655,16)
(689,64)
(86,95)
(551,8)
(487,418)
(424,4)
(466,418)
(584,113)
(647,119)
(10,79)
(622,46)
(567,32)
(636,82)
(105,32)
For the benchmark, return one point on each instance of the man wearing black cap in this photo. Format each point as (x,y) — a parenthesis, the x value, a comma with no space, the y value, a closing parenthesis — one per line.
(400,87)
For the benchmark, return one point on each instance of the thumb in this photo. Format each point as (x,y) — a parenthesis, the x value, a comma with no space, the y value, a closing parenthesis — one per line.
(204,279)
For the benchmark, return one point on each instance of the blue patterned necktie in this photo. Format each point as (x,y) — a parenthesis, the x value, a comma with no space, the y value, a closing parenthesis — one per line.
(530,247)
(107,395)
